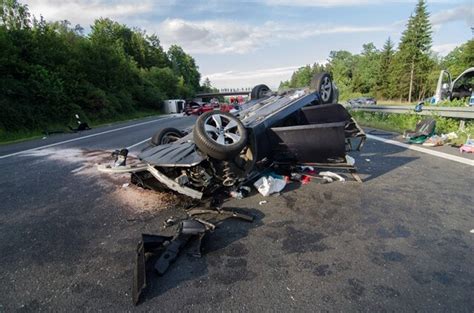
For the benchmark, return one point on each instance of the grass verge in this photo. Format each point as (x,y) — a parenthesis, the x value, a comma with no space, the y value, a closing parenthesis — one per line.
(401,122)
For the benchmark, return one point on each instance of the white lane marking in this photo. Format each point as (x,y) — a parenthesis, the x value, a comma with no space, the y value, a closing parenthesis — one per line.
(138,143)
(79,169)
(80,138)
(424,150)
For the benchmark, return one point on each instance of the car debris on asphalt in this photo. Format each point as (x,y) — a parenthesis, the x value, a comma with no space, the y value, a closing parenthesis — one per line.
(164,250)
(332,175)
(268,185)
(423,130)
(168,249)
(468,147)
(225,151)
(274,139)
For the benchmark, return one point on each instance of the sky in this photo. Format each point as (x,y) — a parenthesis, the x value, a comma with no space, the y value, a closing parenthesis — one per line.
(244,43)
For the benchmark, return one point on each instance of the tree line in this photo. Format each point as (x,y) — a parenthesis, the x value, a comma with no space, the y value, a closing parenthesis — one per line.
(50,71)
(407,73)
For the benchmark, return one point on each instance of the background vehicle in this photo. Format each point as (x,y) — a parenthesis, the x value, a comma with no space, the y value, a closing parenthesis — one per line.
(173,106)
(449,89)
(362,101)
(196,108)
(193,108)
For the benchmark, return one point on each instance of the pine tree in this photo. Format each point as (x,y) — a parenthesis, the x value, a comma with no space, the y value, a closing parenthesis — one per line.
(383,79)
(413,56)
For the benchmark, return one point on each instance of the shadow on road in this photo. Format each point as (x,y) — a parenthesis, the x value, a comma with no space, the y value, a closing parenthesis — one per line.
(377,159)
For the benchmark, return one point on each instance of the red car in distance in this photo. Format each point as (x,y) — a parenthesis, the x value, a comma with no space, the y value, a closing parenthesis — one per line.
(195,108)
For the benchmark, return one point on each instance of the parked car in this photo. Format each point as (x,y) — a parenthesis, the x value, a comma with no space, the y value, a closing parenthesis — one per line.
(362,101)
(225,150)
(459,88)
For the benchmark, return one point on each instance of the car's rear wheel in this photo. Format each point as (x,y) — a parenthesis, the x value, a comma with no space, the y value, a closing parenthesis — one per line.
(322,84)
(220,135)
(259,91)
(165,136)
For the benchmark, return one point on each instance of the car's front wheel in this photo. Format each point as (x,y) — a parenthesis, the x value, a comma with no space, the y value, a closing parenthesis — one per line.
(220,135)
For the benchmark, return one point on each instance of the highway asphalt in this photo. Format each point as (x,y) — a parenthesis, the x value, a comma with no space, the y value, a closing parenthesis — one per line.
(400,241)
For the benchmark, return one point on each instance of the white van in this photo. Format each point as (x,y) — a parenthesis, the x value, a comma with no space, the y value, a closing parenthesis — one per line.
(459,88)
(173,106)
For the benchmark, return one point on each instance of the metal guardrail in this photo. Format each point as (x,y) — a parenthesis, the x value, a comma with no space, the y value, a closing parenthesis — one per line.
(453,112)
(222,93)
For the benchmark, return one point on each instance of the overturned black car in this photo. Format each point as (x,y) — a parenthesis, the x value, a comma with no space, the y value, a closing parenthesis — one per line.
(224,150)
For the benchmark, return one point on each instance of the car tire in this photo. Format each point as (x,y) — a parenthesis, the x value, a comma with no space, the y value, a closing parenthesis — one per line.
(259,91)
(166,135)
(322,84)
(217,141)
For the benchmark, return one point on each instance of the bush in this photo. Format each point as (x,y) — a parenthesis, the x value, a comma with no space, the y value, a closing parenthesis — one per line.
(454,103)
(51,71)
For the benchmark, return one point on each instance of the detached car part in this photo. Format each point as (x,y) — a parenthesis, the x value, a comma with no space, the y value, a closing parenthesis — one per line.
(148,244)
(168,248)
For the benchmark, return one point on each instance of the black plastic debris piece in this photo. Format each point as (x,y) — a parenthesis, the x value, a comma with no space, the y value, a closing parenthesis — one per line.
(148,244)
(168,249)
(191,230)
(187,229)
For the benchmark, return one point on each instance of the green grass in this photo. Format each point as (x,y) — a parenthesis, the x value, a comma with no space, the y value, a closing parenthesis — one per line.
(24,135)
(401,122)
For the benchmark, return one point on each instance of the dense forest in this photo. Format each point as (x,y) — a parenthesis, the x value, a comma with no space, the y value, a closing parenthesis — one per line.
(50,71)
(407,73)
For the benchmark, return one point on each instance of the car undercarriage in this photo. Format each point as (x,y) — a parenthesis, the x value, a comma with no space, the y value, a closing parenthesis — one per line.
(224,151)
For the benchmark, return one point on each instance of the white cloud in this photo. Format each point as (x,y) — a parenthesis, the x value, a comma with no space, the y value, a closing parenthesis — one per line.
(338,3)
(84,12)
(444,49)
(238,79)
(223,36)
(319,3)
(460,13)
